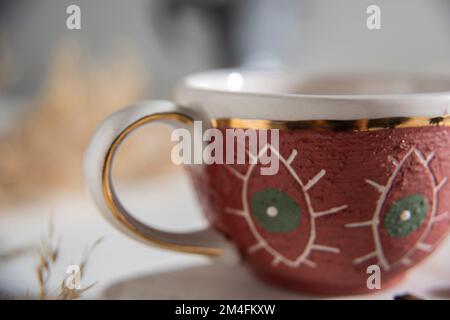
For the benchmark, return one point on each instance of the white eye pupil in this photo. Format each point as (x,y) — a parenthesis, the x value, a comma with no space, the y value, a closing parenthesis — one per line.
(272,211)
(405,215)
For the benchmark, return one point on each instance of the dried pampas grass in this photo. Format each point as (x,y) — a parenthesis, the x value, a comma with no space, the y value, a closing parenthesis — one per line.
(45,150)
(48,255)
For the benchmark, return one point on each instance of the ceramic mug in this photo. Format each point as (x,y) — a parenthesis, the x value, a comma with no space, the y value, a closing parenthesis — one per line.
(362,179)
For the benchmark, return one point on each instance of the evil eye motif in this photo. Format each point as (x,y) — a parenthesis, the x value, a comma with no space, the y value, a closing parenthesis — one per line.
(406,215)
(405,212)
(275,211)
(281,217)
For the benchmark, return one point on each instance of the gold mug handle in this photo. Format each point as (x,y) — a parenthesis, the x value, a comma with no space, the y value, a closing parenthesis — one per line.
(98,165)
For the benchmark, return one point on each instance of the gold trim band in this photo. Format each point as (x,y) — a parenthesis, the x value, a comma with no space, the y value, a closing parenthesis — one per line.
(333,125)
(117,209)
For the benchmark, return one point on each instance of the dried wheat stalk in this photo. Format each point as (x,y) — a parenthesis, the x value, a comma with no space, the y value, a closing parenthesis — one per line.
(48,257)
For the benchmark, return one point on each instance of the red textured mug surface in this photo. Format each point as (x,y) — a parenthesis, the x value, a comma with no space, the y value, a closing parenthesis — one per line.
(361,182)
(341,201)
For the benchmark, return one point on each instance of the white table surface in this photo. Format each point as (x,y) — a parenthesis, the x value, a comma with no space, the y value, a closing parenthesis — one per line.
(125,268)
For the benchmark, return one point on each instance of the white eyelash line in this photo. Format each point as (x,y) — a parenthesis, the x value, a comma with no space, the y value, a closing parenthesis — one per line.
(420,156)
(329,211)
(365,257)
(384,190)
(314,180)
(441,184)
(252,160)
(367,223)
(319,247)
(424,246)
(430,157)
(310,263)
(377,186)
(256,247)
(236,212)
(406,261)
(425,161)
(292,156)
(261,243)
(235,172)
(394,161)
(440,217)
(276,261)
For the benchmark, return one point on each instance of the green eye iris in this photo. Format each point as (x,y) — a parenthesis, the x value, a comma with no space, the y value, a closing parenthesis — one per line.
(275,211)
(406,215)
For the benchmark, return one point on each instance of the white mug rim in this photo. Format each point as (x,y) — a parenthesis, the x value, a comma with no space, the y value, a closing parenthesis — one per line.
(206,92)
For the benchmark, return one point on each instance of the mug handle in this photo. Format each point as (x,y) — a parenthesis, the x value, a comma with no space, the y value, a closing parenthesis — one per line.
(98,165)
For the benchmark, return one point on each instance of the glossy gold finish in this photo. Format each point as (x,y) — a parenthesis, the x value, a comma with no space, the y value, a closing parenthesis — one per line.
(334,125)
(117,209)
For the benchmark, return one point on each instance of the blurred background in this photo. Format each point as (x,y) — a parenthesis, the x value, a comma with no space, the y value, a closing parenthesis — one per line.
(57,84)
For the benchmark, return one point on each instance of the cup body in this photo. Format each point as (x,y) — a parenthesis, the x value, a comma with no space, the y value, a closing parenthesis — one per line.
(360,186)
(350,216)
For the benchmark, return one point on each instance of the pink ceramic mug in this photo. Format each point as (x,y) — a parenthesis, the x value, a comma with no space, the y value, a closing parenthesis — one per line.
(363,166)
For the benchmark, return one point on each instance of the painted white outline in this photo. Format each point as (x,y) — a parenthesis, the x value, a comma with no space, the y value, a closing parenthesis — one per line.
(292,156)
(375,221)
(261,243)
